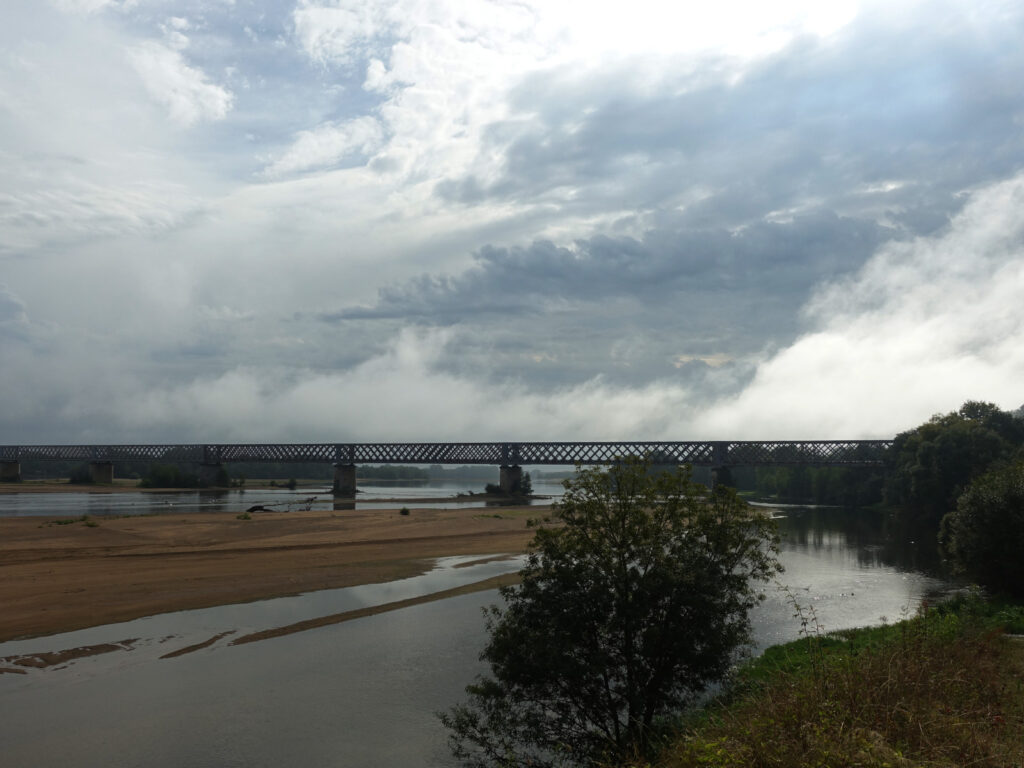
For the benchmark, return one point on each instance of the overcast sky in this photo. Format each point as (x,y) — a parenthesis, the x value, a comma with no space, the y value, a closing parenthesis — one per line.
(350,220)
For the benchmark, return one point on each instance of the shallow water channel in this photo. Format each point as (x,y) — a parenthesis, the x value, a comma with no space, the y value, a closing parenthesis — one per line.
(372,495)
(362,692)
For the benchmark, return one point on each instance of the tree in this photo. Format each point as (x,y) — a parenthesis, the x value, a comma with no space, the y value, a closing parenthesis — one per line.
(984,536)
(933,464)
(626,611)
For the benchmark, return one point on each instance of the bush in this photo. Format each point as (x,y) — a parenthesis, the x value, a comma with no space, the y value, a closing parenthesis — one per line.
(984,536)
(626,611)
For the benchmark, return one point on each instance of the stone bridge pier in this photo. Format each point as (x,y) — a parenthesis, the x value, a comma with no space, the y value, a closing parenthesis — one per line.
(510,478)
(345,481)
(101,472)
(210,474)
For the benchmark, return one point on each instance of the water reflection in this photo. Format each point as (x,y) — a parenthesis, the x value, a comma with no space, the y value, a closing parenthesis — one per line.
(869,533)
(449,495)
(363,692)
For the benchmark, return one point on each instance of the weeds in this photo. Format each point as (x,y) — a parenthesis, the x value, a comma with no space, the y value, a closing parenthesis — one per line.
(944,688)
(71,521)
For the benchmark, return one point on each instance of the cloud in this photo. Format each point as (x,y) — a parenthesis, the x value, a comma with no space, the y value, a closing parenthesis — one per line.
(370,402)
(12,309)
(85,6)
(661,265)
(815,124)
(39,213)
(327,145)
(184,90)
(626,308)
(338,33)
(921,328)
(548,201)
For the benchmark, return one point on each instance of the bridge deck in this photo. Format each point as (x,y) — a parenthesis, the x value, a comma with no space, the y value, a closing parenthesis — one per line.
(698,453)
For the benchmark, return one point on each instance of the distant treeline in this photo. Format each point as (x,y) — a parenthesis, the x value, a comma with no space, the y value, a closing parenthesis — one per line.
(923,475)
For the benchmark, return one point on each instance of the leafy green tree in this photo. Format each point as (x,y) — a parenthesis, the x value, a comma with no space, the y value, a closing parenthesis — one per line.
(933,464)
(626,611)
(984,536)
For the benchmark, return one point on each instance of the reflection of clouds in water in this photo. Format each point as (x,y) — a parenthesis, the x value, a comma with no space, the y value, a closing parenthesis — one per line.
(155,636)
(866,536)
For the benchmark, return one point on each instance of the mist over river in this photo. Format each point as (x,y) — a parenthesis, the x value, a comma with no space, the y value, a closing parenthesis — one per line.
(364,692)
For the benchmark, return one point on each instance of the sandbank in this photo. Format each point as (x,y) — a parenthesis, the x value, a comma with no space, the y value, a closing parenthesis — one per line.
(57,578)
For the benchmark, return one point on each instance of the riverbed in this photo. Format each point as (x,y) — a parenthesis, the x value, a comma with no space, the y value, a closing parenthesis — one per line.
(364,692)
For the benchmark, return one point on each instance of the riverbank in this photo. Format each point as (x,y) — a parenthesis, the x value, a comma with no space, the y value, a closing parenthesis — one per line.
(58,575)
(944,688)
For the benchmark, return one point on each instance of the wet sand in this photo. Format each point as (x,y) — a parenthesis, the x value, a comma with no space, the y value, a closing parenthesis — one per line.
(61,577)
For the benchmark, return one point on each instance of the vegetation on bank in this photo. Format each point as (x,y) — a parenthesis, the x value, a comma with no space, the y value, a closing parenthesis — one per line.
(626,611)
(926,471)
(577,659)
(945,688)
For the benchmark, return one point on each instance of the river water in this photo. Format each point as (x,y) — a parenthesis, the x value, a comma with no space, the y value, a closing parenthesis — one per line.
(364,692)
(371,495)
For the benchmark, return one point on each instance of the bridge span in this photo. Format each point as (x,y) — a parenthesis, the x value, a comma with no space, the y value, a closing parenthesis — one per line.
(509,456)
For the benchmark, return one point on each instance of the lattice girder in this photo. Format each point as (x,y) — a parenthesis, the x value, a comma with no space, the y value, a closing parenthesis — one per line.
(700,453)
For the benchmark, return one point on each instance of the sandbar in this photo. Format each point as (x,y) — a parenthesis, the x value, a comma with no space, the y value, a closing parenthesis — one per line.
(58,578)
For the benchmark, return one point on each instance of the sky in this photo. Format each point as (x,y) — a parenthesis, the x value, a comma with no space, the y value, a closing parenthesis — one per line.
(362,221)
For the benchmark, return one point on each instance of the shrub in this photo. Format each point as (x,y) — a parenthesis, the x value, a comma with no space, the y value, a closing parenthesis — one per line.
(984,536)
(626,611)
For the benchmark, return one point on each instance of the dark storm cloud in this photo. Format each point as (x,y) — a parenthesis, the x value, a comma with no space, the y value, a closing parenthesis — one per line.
(751,188)
(783,259)
(626,308)
(821,120)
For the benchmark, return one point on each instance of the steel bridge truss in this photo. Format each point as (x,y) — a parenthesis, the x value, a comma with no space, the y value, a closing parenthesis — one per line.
(708,453)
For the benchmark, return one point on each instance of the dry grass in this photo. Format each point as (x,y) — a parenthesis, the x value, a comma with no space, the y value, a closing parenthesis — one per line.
(943,689)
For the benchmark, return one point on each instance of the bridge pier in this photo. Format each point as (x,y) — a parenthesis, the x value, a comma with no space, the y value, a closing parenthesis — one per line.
(210,474)
(510,479)
(101,472)
(10,471)
(345,480)
(721,476)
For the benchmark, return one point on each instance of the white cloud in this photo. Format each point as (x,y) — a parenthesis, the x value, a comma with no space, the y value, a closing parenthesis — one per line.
(41,213)
(327,145)
(83,6)
(338,32)
(923,327)
(12,309)
(184,90)
(398,395)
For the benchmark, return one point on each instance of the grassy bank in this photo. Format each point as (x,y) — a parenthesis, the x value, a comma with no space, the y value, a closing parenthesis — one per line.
(943,689)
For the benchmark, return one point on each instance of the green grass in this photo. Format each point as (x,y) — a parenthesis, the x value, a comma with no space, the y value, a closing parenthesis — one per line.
(945,688)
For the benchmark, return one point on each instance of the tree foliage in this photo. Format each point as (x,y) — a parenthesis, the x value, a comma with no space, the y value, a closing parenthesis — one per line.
(933,464)
(627,609)
(984,535)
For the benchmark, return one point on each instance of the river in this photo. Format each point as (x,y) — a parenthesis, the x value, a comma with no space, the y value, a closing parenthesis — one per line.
(372,495)
(364,692)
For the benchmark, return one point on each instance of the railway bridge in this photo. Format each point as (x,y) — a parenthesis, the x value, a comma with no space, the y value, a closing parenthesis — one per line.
(509,456)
